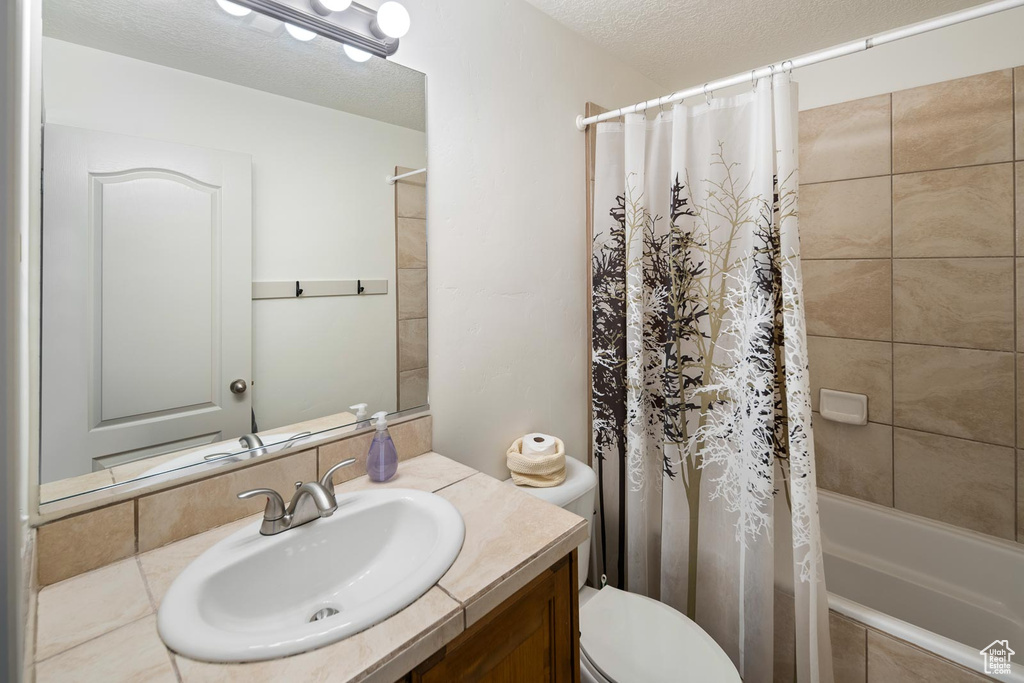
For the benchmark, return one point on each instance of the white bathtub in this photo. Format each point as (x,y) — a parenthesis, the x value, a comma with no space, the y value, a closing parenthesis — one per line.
(946,590)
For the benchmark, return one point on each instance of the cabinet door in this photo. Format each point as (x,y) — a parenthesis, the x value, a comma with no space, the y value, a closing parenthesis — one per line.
(532,636)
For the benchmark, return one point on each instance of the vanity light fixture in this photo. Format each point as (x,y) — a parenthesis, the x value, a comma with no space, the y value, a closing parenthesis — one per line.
(393,19)
(299,33)
(355,54)
(233,9)
(328,6)
(362,31)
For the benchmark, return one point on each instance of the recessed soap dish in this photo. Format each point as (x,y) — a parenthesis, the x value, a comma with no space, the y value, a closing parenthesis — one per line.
(843,406)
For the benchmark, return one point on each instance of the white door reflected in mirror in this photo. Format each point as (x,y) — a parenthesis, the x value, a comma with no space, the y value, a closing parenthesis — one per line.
(146,303)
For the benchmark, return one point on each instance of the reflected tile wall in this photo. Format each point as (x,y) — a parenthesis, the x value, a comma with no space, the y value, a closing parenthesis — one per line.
(411,257)
(912,230)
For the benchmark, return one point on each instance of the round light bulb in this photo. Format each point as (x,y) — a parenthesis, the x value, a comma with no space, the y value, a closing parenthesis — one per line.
(299,33)
(233,9)
(393,19)
(336,5)
(355,54)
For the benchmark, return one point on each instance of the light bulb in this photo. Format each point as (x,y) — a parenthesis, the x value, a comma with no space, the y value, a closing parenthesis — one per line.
(233,9)
(393,19)
(355,54)
(336,5)
(299,33)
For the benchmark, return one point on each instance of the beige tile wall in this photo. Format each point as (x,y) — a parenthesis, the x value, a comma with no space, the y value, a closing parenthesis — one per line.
(861,654)
(411,240)
(74,545)
(912,231)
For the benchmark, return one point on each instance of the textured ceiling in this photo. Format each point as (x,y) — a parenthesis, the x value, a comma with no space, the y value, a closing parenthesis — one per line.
(196,36)
(680,43)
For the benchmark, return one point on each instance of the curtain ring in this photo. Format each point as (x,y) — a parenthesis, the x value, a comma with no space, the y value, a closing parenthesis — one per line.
(707,97)
(668,100)
(789,71)
(753,81)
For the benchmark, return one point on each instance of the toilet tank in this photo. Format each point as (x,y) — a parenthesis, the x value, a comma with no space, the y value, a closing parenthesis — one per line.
(575,494)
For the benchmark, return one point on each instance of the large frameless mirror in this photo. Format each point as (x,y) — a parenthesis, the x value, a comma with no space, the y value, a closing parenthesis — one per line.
(227,261)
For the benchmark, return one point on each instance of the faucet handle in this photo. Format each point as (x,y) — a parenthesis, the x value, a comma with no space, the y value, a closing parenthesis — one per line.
(275,504)
(327,481)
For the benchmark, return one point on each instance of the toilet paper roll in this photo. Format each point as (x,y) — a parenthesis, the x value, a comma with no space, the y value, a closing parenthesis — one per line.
(539,444)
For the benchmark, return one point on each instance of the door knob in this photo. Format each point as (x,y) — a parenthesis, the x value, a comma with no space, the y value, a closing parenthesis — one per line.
(238,386)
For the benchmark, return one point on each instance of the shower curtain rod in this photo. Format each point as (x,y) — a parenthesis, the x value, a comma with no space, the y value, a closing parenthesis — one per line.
(807,60)
(392,179)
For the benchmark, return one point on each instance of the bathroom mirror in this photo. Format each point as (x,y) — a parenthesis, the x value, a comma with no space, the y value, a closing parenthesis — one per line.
(227,263)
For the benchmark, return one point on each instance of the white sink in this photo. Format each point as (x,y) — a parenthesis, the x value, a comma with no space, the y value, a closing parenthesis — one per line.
(252,597)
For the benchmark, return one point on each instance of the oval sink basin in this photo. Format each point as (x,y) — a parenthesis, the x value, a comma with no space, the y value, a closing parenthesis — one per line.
(253,597)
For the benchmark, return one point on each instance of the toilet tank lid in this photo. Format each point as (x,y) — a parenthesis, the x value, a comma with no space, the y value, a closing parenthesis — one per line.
(629,637)
(579,480)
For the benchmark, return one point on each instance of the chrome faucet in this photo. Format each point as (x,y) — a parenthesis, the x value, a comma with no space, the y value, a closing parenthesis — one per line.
(251,441)
(310,501)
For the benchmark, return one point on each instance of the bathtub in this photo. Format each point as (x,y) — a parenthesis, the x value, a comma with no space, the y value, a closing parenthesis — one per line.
(948,591)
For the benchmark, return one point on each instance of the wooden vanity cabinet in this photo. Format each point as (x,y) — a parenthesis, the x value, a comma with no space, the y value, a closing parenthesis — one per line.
(533,636)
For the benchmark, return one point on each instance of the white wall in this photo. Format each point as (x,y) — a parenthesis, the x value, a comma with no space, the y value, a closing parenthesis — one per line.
(974,47)
(506,220)
(321,210)
(10,583)
(18,107)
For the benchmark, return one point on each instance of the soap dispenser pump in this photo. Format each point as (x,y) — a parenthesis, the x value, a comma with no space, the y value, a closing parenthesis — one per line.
(361,421)
(382,461)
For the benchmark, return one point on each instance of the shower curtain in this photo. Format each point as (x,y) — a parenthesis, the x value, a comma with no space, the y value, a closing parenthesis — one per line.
(701,401)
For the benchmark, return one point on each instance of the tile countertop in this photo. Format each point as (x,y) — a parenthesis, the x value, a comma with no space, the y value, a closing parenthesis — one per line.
(101,626)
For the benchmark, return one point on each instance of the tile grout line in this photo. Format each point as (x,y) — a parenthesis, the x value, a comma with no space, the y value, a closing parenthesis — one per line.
(894,342)
(462,605)
(145,583)
(925,431)
(909,258)
(893,173)
(174,665)
(453,483)
(892,313)
(152,603)
(96,637)
(1016,323)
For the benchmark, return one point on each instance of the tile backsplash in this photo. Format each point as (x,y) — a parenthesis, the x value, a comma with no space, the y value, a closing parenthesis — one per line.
(912,231)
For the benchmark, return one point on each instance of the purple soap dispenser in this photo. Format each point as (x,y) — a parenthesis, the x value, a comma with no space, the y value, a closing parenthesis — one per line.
(382,462)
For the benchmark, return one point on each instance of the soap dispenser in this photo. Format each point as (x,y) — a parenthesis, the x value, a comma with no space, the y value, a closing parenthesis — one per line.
(382,461)
(361,421)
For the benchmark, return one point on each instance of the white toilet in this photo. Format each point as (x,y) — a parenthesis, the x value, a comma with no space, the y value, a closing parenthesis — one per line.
(626,637)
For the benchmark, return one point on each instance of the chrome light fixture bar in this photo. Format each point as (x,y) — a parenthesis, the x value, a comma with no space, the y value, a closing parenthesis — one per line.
(355,26)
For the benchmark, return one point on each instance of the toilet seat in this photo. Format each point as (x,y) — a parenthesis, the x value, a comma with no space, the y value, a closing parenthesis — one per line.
(627,637)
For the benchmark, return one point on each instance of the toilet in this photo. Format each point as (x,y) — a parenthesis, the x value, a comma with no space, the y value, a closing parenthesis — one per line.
(626,637)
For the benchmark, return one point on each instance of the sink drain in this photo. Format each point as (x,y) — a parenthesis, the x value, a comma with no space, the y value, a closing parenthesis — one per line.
(323,614)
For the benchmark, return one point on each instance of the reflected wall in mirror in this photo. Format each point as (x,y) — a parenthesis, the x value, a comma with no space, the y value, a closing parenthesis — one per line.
(223,254)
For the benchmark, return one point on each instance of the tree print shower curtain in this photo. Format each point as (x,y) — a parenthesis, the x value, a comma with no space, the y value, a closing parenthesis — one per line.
(701,400)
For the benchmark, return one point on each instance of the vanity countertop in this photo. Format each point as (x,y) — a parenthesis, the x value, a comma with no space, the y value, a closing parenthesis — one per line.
(101,626)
